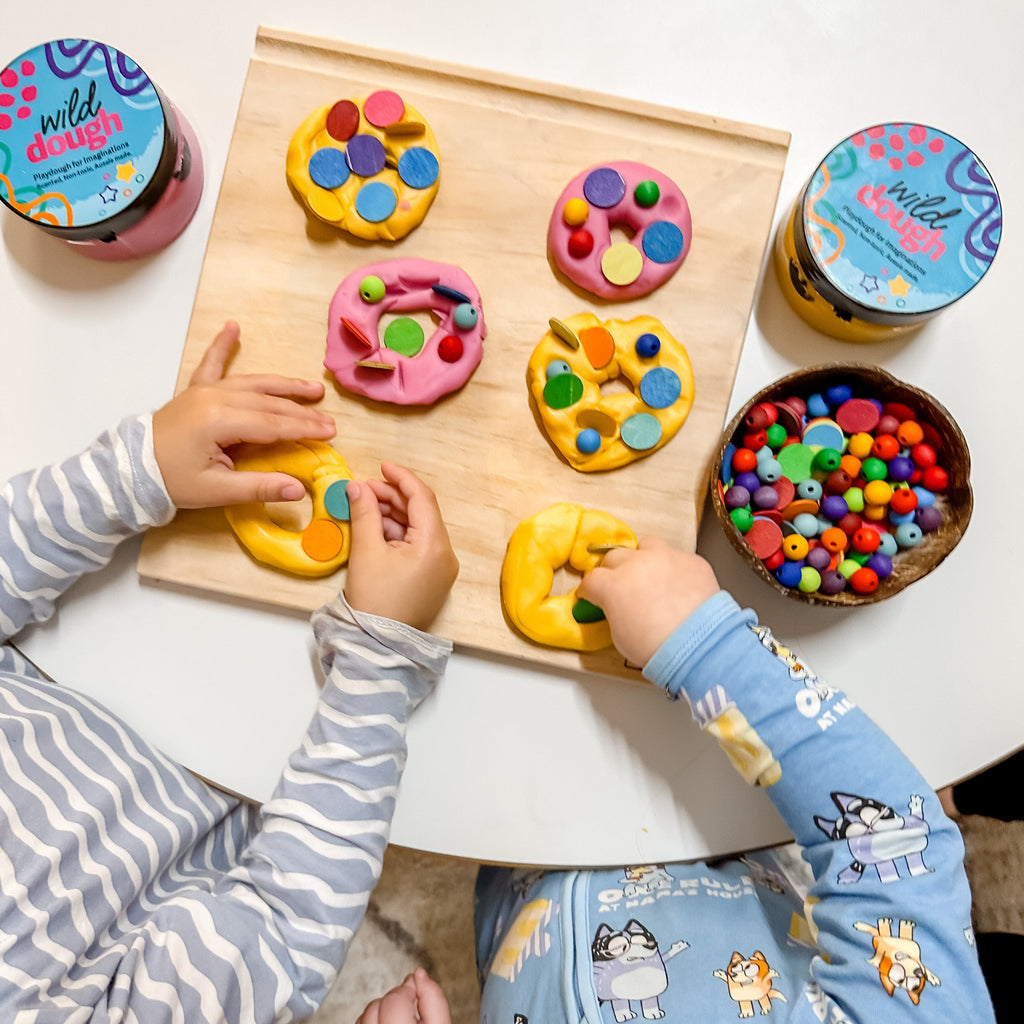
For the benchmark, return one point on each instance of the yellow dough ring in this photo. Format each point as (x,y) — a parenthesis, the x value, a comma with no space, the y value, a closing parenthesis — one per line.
(559,536)
(596,430)
(323,546)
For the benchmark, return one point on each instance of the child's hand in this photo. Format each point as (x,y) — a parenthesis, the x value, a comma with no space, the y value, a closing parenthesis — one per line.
(402,564)
(646,593)
(417,999)
(192,431)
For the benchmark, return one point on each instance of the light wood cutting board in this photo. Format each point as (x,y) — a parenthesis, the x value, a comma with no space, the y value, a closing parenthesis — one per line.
(508,147)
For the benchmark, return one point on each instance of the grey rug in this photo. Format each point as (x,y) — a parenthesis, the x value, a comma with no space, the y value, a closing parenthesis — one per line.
(421,914)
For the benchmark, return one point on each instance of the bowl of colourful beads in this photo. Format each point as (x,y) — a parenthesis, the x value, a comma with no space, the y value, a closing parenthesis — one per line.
(841,485)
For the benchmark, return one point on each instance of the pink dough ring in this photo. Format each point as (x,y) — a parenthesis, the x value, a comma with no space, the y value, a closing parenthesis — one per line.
(405,368)
(630,195)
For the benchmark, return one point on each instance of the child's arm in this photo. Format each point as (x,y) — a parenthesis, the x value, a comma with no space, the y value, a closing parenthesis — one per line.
(418,1000)
(891,904)
(60,522)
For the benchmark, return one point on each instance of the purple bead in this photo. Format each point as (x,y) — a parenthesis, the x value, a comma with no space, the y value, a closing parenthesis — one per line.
(901,468)
(832,581)
(604,187)
(818,558)
(765,498)
(365,155)
(736,497)
(749,480)
(834,506)
(928,518)
(882,564)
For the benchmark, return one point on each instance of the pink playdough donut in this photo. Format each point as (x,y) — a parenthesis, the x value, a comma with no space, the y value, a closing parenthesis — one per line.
(635,198)
(400,363)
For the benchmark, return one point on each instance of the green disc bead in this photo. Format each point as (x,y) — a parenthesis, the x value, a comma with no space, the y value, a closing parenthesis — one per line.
(874,469)
(776,436)
(810,580)
(742,518)
(827,460)
(371,289)
(563,390)
(404,335)
(584,611)
(647,193)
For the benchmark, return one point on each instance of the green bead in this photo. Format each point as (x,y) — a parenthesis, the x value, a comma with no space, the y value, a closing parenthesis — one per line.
(848,566)
(584,611)
(371,289)
(742,518)
(776,436)
(810,580)
(854,498)
(874,469)
(827,460)
(647,193)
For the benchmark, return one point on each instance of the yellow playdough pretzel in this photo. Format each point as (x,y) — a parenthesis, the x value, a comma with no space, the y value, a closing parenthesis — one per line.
(539,546)
(595,429)
(323,546)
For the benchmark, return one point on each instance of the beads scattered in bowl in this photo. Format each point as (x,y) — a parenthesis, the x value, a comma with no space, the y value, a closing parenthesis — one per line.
(830,488)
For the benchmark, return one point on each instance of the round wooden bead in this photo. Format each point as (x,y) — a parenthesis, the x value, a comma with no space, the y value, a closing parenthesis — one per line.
(742,519)
(810,580)
(806,524)
(877,492)
(837,394)
(848,566)
(809,489)
(765,497)
(903,500)
(838,482)
(860,445)
(832,582)
(769,470)
(794,547)
(909,535)
(850,524)
(744,461)
(935,478)
(929,519)
(874,468)
(827,460)
(789,574)
(755,439)
(885,446)
(834,540)
(761,416)
(774,560)
(854,498)
(887,544)
(901,468)
(776,435)
(865,539)
(909,433)
(736,497)
(923,455)
(818,558)
(864,581)
(880,565)
(834,506)
(817,406)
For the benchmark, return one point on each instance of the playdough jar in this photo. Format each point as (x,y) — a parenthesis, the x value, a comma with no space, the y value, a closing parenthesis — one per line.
(895,224)
(92,152)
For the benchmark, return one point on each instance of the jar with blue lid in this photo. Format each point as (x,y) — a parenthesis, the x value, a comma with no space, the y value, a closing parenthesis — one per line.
(898,222)
(93,152)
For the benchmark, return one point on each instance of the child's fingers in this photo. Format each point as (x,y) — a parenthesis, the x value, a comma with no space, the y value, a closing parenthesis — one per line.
(364,516)
(275,384)
(433,1005)
(215,359)
(422,510)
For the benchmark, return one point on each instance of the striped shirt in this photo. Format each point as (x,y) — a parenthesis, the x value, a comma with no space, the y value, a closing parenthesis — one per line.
(130,890)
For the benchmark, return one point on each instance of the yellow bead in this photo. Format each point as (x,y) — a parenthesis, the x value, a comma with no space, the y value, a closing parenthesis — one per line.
(795,547)
(877,492)
(876,513)
(575,212)
(860,445)
(622,263)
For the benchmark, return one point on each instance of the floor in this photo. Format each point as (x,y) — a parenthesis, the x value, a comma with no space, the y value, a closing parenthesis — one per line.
(422,914)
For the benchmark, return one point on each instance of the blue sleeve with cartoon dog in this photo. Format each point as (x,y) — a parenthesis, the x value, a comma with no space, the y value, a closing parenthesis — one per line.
(890,908)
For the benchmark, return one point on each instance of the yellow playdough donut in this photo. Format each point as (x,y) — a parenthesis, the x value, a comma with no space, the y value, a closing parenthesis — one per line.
(595,430)
(368,166)
(559,536)
(323,546)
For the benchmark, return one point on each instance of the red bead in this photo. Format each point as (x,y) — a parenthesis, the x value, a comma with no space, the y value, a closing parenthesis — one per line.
(581,243)
(864,581)
(866,540)
(903,500)
(935,478)
(774,560)
(887,425)
(450,349)
(761,416)
(744,461)
(885,447)
(755,440)
(923,455)
(898,410)
(850,523)
(838,482)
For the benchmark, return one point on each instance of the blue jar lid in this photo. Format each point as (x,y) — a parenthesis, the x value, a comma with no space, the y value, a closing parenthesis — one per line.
(88,143)
(898,221)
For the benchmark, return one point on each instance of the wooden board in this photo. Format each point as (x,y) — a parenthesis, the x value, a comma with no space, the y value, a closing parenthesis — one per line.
(508,147)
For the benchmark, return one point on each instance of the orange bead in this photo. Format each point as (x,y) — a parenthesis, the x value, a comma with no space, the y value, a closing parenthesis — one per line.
(903,500)
(866,540)
(864,581)
(850,465)
(860,445)
(909,433)
(877,492)
(834,540)
(744,461)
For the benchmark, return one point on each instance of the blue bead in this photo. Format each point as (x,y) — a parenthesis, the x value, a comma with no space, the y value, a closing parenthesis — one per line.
(557,367)
(924,497)
(769,471)
(817,406)
(789,573)
(909,535)
(806,524)
(465,316)
(588,441)
(837,394)
(725,473)
(809,489)
(327,167)
(648,346)
(887,544)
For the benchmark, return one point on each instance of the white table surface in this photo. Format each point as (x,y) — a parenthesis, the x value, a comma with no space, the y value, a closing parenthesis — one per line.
(510,763)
